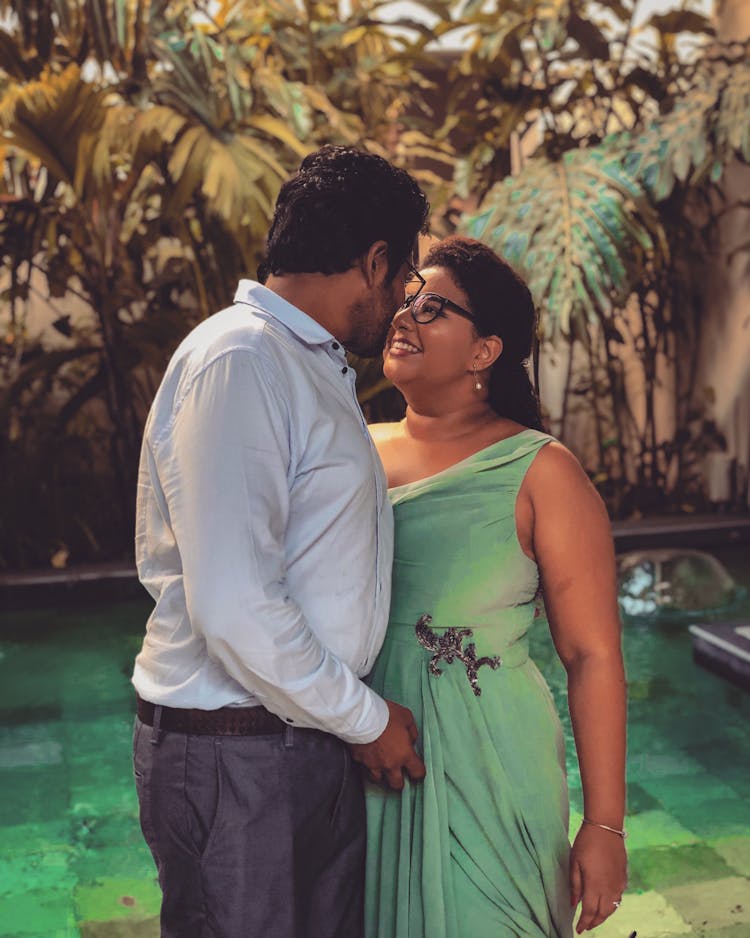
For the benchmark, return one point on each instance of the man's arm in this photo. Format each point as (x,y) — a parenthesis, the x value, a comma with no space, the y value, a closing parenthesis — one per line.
(223,465)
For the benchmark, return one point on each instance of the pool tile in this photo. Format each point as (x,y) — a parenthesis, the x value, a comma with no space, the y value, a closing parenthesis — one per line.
(40,752)
(728,748)
(673,791)
(27,682)
(99,737)
(737,777)
(122,928)
(33,794)
(713,903)
(650,765)
(657,829)
(21,732)
(657,868)
(683,760)
(575,799)
(70,931)
(109,830)
(117,897)
(735,851)
(28,838)
(731,931)
(128,861)
(639,800)
(576,816)
(650,914)
(722,817)
(100,796)
(46,870)
(47,912)
(656,687)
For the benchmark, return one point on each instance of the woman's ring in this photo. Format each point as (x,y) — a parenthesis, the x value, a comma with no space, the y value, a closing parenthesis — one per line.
(616,903)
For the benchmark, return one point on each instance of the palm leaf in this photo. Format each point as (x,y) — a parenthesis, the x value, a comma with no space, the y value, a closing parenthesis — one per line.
(278,130)
(287,99)
(62,122)
(707,128)
(579,230)
(236,175)
(732,127)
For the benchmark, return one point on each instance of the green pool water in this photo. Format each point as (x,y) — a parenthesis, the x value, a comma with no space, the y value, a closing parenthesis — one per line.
(72,862)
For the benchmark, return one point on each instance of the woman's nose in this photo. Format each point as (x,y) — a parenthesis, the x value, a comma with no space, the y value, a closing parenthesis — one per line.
(402,318)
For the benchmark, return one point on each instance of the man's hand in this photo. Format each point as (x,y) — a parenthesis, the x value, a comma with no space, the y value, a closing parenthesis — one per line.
(386,757)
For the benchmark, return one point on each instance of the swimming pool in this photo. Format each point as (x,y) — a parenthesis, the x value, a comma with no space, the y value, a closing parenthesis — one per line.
(72,861)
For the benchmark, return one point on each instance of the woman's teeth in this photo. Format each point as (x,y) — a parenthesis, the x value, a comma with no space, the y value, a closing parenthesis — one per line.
(404,346)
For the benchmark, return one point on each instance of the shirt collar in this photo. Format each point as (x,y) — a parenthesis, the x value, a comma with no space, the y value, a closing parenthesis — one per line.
(302,325)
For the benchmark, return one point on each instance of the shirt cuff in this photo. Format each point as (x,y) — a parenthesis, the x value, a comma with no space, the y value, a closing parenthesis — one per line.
(374,723)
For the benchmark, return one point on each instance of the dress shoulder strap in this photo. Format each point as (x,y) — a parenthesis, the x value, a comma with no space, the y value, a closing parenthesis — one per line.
(519,451)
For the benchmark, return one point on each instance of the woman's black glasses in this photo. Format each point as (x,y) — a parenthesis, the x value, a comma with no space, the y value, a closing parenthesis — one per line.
(426,307)
(415,277)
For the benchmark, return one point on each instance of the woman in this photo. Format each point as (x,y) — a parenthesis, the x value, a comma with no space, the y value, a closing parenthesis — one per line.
(486,507)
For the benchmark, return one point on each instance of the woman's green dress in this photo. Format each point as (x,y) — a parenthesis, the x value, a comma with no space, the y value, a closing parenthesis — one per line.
(480,848)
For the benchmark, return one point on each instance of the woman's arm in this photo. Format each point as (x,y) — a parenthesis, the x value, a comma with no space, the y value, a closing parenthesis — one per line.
(574,550)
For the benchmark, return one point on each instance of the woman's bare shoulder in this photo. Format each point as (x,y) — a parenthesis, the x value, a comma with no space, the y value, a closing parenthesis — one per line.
(556,469)
(555,456)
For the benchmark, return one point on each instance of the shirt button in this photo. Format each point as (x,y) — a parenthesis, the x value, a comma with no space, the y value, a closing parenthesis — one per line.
(335,346)
(344,370)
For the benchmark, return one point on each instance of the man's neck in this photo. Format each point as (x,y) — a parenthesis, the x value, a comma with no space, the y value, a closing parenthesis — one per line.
(321,296)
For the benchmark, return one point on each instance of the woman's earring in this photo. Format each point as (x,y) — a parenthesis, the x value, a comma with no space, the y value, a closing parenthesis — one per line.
(477,382)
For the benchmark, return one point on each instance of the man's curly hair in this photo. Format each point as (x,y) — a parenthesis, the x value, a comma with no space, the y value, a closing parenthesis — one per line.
(337,205)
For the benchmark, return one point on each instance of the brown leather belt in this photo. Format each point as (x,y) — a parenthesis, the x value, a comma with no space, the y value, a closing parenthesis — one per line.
(226,721)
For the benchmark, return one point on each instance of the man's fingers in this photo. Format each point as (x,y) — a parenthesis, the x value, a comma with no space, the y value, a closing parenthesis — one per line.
(413,732)
(395,778)
(415,768)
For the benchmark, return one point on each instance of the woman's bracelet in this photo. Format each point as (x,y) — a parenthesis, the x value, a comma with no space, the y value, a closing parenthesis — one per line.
(606,827)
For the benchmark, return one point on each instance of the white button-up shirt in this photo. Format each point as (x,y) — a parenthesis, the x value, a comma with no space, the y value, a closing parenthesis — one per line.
(264,531)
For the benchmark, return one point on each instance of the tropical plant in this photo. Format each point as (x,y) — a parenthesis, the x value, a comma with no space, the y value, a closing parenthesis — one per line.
(143,145)
(555,75)
(143,142)
(628,218)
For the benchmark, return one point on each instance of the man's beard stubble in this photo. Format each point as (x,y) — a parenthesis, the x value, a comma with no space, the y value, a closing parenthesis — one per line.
(370,323)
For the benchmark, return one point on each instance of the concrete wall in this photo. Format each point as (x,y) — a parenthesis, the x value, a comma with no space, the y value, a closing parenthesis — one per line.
(724,358)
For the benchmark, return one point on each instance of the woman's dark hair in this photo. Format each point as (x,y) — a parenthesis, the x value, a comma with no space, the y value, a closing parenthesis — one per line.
(502,306)
(338,204)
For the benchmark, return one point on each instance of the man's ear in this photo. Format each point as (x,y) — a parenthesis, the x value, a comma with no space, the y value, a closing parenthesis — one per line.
(374,263)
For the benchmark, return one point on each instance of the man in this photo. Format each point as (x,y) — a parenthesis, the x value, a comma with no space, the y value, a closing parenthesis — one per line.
(264,535)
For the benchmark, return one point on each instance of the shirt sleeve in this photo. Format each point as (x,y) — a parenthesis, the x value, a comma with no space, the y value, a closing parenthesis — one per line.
(225,471)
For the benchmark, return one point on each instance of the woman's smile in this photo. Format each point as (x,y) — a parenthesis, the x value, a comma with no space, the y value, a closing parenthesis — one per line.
(400,346)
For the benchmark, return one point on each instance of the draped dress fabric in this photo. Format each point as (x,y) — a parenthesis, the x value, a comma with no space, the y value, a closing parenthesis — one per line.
(480,848)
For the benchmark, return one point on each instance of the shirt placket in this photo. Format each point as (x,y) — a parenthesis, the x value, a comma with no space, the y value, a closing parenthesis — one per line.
(377,471)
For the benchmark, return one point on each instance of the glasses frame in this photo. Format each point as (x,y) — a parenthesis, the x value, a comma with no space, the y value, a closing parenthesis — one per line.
(414,275)
(444,302)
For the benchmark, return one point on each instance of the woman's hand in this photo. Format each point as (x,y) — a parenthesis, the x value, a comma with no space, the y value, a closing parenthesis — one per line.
(598,874)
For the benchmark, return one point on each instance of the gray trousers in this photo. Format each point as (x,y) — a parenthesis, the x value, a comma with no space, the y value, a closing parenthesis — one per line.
(253,836)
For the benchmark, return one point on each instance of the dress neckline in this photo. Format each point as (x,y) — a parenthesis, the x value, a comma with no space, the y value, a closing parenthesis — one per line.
(461,462)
